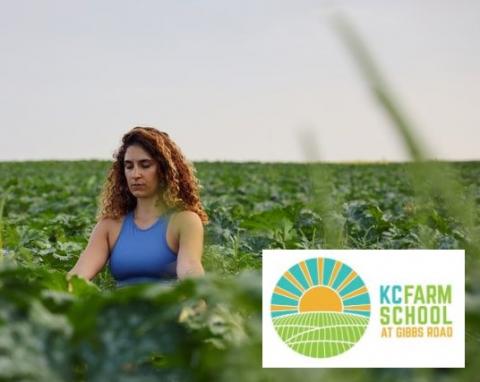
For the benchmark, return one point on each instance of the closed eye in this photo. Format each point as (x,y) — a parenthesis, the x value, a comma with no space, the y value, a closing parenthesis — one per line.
(144,164)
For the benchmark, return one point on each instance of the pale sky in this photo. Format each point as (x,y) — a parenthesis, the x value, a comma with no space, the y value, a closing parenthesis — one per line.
(235,80)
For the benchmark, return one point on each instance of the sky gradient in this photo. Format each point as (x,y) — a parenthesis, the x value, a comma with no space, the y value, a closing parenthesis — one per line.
(236,80)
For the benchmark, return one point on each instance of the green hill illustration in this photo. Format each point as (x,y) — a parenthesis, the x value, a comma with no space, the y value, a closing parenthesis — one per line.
(320,334)
(320,307)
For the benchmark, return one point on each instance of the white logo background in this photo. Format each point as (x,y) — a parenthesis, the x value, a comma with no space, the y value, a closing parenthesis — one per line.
(376,267)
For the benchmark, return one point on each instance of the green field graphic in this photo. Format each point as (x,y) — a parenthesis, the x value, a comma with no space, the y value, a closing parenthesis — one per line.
(320,334)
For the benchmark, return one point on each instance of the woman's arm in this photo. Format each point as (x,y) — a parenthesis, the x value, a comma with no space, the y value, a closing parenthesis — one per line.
(95,255)
(190,247)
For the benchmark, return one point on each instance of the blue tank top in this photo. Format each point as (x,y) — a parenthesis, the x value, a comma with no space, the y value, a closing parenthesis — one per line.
(141,255)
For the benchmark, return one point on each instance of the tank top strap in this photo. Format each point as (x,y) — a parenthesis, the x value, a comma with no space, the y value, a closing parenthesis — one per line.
(129,219)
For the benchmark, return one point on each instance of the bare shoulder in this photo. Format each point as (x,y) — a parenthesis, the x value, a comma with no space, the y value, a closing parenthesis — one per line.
(112,222)
(109,225)
(105,223)
(188,220)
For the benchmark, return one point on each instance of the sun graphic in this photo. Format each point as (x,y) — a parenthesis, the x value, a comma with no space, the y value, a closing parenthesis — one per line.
(320,285)
(320,307)
(320,299)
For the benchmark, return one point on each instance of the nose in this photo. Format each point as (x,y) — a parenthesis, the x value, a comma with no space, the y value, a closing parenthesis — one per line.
(136,172)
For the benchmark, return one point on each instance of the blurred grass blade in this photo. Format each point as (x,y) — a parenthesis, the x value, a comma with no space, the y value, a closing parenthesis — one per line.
(2,204)
(379,87)
(434,182)
(323,200)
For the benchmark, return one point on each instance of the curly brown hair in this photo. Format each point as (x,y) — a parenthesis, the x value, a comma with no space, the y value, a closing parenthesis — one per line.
(181,191)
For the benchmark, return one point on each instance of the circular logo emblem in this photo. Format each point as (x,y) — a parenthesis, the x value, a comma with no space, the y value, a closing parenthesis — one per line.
(320,307)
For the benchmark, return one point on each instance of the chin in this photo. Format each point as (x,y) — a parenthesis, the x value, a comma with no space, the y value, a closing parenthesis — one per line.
(140,194)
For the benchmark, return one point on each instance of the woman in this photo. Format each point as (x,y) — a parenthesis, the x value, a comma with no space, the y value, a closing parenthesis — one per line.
(150,224)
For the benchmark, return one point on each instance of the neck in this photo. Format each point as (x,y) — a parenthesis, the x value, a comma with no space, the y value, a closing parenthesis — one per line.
(147,209)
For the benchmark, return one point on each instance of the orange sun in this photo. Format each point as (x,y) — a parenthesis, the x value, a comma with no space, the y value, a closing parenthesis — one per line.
(320,299)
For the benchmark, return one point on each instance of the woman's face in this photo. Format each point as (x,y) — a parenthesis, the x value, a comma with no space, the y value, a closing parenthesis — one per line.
(141,172)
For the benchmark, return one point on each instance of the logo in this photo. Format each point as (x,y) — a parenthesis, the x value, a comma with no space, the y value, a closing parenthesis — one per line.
(320,307)
(363,308)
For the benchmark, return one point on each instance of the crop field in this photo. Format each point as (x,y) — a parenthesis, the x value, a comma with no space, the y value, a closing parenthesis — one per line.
(320,334)
(58,331)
